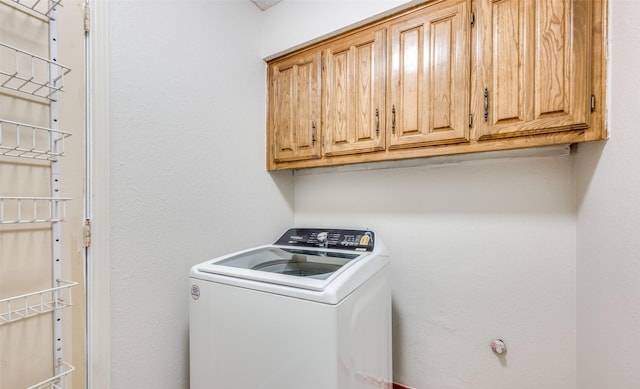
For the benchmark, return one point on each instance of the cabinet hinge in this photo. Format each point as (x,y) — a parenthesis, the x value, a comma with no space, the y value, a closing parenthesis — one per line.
(87,17)
(472,18)
(86,233)
(593,103)
(470,120)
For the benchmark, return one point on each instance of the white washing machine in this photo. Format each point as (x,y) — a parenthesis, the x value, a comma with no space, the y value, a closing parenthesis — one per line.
(311,311)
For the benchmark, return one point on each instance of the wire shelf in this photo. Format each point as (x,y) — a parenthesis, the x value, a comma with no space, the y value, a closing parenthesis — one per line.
(60,381)
(21,210)
(31,74)
(41,7)
(33,142)
(36,303)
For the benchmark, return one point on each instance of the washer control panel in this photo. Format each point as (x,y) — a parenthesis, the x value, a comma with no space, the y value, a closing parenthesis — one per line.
(356,240)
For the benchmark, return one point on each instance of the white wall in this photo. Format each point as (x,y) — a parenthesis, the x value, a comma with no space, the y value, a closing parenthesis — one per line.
(294,22)
(188,178)
(609,223)
(481,249)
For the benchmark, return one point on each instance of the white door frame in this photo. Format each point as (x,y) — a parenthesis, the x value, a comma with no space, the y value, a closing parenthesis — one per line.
(98,264)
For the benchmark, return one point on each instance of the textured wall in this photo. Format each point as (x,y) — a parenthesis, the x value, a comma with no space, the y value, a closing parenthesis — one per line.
(609,223)
(480,249)
(188,181)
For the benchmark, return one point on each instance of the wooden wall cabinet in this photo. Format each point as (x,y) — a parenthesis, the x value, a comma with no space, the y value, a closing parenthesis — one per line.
(354,93)
(353,107)
(444,77)
(534,67)
(429,76)
(294,108)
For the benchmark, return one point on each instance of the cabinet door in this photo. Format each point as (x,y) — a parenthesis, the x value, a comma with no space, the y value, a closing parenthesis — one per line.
(533,73)
(354,77)
(430,76)
(294,108)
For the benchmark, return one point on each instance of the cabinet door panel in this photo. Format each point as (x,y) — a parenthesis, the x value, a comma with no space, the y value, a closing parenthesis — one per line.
(354,94)
(295,108)
(509,60)
(534,71)
(430,77)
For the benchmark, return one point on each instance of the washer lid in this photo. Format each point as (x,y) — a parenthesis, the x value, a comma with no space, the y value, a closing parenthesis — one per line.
(292,266)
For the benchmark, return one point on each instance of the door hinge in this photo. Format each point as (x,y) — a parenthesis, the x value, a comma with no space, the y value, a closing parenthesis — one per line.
(86,233)
(593,103)
(472,19)
(87,17)
(470,120)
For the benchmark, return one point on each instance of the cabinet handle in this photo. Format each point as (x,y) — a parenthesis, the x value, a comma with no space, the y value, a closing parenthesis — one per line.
(393,118)
(313,133)
(377,122)
(486,104)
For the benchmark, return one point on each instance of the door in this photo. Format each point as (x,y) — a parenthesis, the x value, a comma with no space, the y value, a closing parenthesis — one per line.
(534,74)
(430,77)
(294,108)
(41,166)
(354,88)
